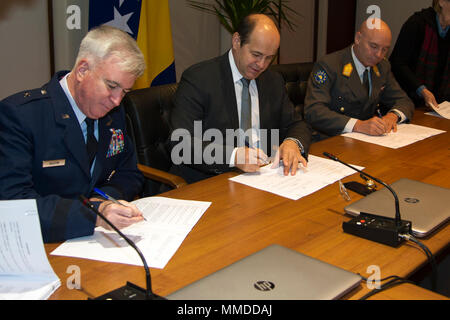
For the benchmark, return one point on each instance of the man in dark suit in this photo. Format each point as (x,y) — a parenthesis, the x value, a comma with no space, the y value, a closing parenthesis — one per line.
(67,137)
(217,97)
(348,89)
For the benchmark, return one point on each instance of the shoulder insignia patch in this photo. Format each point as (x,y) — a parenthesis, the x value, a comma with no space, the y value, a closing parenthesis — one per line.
(321,77)
(348,69)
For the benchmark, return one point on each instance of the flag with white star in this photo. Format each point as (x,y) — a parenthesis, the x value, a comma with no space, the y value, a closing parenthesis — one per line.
(147,21)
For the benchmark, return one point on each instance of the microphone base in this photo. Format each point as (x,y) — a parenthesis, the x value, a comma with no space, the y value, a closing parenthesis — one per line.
(130,291)
(377,228)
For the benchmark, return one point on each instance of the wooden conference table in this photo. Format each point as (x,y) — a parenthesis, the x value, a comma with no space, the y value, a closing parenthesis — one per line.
(243,220)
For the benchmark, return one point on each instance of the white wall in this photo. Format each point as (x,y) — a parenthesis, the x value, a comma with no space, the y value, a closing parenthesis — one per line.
(298,45)
(198,36)
(24,53)
(195,35)
(67,41)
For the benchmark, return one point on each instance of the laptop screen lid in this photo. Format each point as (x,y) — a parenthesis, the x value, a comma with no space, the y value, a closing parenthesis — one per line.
(427,206)
(272,273)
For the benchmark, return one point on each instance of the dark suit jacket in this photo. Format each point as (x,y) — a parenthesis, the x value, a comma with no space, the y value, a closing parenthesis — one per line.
(206,93)
(332,98)
(39,126)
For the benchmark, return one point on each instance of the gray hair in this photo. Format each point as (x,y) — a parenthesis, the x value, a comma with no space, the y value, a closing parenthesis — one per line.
(105,41)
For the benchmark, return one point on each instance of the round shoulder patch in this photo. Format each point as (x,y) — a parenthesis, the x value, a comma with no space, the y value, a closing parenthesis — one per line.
(321,77)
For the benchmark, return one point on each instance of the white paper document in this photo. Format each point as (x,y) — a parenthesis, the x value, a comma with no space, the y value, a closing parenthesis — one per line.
(434,114)
(25,273)
(443,109)
(168,222)
(406,134)
(319,173)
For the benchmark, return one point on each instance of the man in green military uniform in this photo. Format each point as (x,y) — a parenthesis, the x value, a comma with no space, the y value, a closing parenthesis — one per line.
(354,90)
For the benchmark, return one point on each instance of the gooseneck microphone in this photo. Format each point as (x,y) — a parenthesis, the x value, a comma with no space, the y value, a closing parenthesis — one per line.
(398,218)
(374,227)
(130,291)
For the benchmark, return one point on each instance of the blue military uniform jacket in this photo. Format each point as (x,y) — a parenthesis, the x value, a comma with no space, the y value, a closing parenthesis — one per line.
(43,156)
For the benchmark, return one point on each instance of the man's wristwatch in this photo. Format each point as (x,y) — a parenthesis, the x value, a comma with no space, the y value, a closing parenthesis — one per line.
(299,144)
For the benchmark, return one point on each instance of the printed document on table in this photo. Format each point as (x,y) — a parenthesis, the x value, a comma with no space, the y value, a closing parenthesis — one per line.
(442,111)
(168,222)
(406,134)
(25,273)
(319,173)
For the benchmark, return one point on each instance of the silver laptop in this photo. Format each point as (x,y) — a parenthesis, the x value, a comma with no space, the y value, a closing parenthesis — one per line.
(425,205)
(274,273)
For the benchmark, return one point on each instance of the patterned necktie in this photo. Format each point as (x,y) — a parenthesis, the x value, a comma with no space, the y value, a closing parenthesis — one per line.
(91,141)
(246,107)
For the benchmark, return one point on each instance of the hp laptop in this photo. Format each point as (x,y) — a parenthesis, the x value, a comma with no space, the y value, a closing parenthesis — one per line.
(425,205)
(274,273)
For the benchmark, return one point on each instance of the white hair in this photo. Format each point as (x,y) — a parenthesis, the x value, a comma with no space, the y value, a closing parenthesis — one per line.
(105,41)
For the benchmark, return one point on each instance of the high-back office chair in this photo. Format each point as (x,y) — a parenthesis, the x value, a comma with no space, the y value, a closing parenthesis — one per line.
(295,76)
(148,111)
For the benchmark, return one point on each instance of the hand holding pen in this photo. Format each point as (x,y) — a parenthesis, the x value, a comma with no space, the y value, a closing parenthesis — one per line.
(377,125)
(121,213)
(250,159)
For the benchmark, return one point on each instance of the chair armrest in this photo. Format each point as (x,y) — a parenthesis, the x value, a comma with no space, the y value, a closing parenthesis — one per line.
(162,176)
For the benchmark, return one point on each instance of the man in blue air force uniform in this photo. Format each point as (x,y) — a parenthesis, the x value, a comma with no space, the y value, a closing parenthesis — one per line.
(66,138)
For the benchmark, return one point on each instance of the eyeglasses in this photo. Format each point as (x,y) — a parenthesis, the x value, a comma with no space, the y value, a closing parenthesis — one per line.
(343,191)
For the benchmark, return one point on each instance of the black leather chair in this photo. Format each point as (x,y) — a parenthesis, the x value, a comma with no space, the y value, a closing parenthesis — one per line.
(295,76)
(148,112)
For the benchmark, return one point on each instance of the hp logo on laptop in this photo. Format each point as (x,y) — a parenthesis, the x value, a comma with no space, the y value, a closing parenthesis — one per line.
(264,285)
(412,200)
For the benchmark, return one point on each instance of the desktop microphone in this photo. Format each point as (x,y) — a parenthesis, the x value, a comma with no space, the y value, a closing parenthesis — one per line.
(374,227)
(130,291)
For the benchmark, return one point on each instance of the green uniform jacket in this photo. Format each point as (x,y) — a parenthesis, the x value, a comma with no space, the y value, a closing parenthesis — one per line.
(335,93)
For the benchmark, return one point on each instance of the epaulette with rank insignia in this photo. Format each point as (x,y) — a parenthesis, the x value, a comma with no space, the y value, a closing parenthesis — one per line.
(28,96)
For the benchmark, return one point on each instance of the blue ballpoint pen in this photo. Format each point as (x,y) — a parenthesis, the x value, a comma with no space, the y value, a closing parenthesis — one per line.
(108,197)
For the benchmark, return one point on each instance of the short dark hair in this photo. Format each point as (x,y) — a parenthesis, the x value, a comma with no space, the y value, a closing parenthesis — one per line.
(245,28)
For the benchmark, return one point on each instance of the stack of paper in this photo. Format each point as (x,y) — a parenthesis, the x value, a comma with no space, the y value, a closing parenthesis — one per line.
(168,222)
(319,173)
(25,273)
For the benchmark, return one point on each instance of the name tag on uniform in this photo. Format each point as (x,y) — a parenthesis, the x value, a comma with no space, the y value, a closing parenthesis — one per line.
(53,163)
